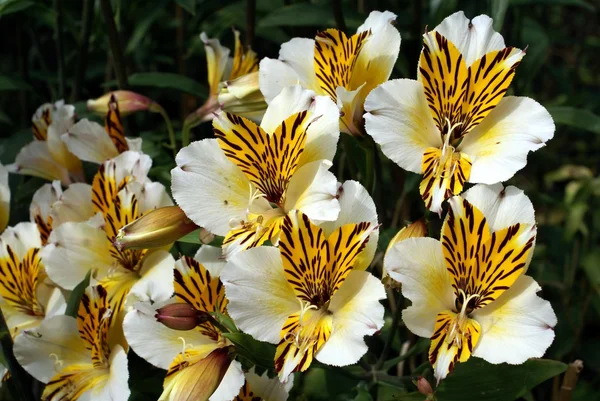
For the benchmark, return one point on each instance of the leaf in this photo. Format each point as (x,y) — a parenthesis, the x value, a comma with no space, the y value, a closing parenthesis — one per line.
(169,80)
(141,29)
(188,5)
(577,3)
(13,83)
(578,118)
(260,353)
(145,380)
(13,6)
(533,34)
(301,14)
(478,380)
(75,298)
(498,11)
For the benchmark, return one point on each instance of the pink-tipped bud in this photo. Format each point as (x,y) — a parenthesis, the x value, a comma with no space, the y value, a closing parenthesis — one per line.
(129,102)
(423,386)
(181,316)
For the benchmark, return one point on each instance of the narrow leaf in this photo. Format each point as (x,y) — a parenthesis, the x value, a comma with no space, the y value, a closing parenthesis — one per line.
(169,80)
(73,304)
(578,118)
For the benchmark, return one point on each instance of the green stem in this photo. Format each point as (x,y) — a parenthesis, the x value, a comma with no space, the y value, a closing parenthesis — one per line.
(115,45)
(172,139)
(60,52)
(82,52)
(391,335)
(21,379)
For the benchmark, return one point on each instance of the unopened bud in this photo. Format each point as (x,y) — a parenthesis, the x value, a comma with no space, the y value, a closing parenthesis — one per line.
(129,102)
(181,316)
(423,386)
(157,228)
(414,230)
(242,96)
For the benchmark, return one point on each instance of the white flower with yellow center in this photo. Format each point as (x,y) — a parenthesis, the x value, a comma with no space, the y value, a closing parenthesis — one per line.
(94,143)
(119,194)
(454,123)
(468,291)
(241,184)
(26,296)
(73,356)
(335,65)
(47,156)
(307,296)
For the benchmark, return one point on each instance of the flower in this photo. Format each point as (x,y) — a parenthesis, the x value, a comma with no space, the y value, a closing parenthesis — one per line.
(47,156)
(264,388)
(26,296)
(127,102)
(305,295)
(454,123)
(4,198)
(251,176)
(469,292)
(415,229)
(196,359)
(119,194)
(343,68)
(93,143)
(73,356)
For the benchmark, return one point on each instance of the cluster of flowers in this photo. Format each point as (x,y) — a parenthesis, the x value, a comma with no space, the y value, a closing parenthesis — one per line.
(308,291)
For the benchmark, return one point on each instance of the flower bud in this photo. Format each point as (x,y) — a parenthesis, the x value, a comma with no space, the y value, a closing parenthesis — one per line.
(414,230)
(129,102)
(157,228)
(423,386)
(181,316)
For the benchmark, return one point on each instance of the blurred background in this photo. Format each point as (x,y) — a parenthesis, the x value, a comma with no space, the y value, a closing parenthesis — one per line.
(60,49)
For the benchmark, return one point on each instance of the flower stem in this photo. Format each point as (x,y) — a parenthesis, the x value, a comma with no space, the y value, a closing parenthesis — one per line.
(115,45)
(21,379)
(172,140)
(339,15)
(60,51)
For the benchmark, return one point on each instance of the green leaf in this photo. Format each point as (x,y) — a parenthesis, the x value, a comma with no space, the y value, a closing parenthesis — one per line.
(578,118)
(188,5)
(169,80)
(75,298)
(260,353)
(478,380)
(498,11)
(141,29)
(13,83)
(301,14)
(13,6)
(577,3)
(191,238)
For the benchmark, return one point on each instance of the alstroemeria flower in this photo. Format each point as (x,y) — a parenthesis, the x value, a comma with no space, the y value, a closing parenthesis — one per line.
(119,194)
(341,67)
(25,296)
(4,198)
(127,102)
(305,295)
(47,156)
(91,142)
(73,356)
(241,184)
(186,355)
(454,123)
(468,291)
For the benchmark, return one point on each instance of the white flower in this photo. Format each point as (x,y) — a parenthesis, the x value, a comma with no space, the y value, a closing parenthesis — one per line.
(468,291)
(73,356)
(343,68)
(305,295)
(454,123)
(241,184)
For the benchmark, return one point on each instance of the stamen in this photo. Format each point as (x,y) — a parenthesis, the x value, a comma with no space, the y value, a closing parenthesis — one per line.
(185,347)
(58,363)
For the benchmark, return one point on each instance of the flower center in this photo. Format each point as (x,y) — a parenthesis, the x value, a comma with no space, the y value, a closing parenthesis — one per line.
(311,323)
(457,330)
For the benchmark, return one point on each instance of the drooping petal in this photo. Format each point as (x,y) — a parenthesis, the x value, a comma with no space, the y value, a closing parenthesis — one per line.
(517,326)
(89,141)
(74,205)
(58,336)
(312,189)
(499,145)
(294,66)
(4,198)
(216,59)
(474,38)
(35,159)
(210,189)
(260,298)
(399,120)
(357,313)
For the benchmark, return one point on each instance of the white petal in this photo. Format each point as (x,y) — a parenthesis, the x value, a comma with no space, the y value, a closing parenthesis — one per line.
(502,207)
(351,104)
(129,163)
(89,141)
(216,59)
(17,320)
(21,238)
(117,384)
(210,189)
(155,342)
(324,131)
(419,265)
(260,298)
(35,159)
(156,282)
(312,189)
(357,313)
(58,335)
(56,304)
(290,100)
(399,120)
(62,120)
(154,195)
(73,249)
(43,199)
(134,144)
(356,206)
(517,326)
(231,383)
(74,205)
(211,258)
(499,145)
(472,38)
(274,75)
(267,388)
